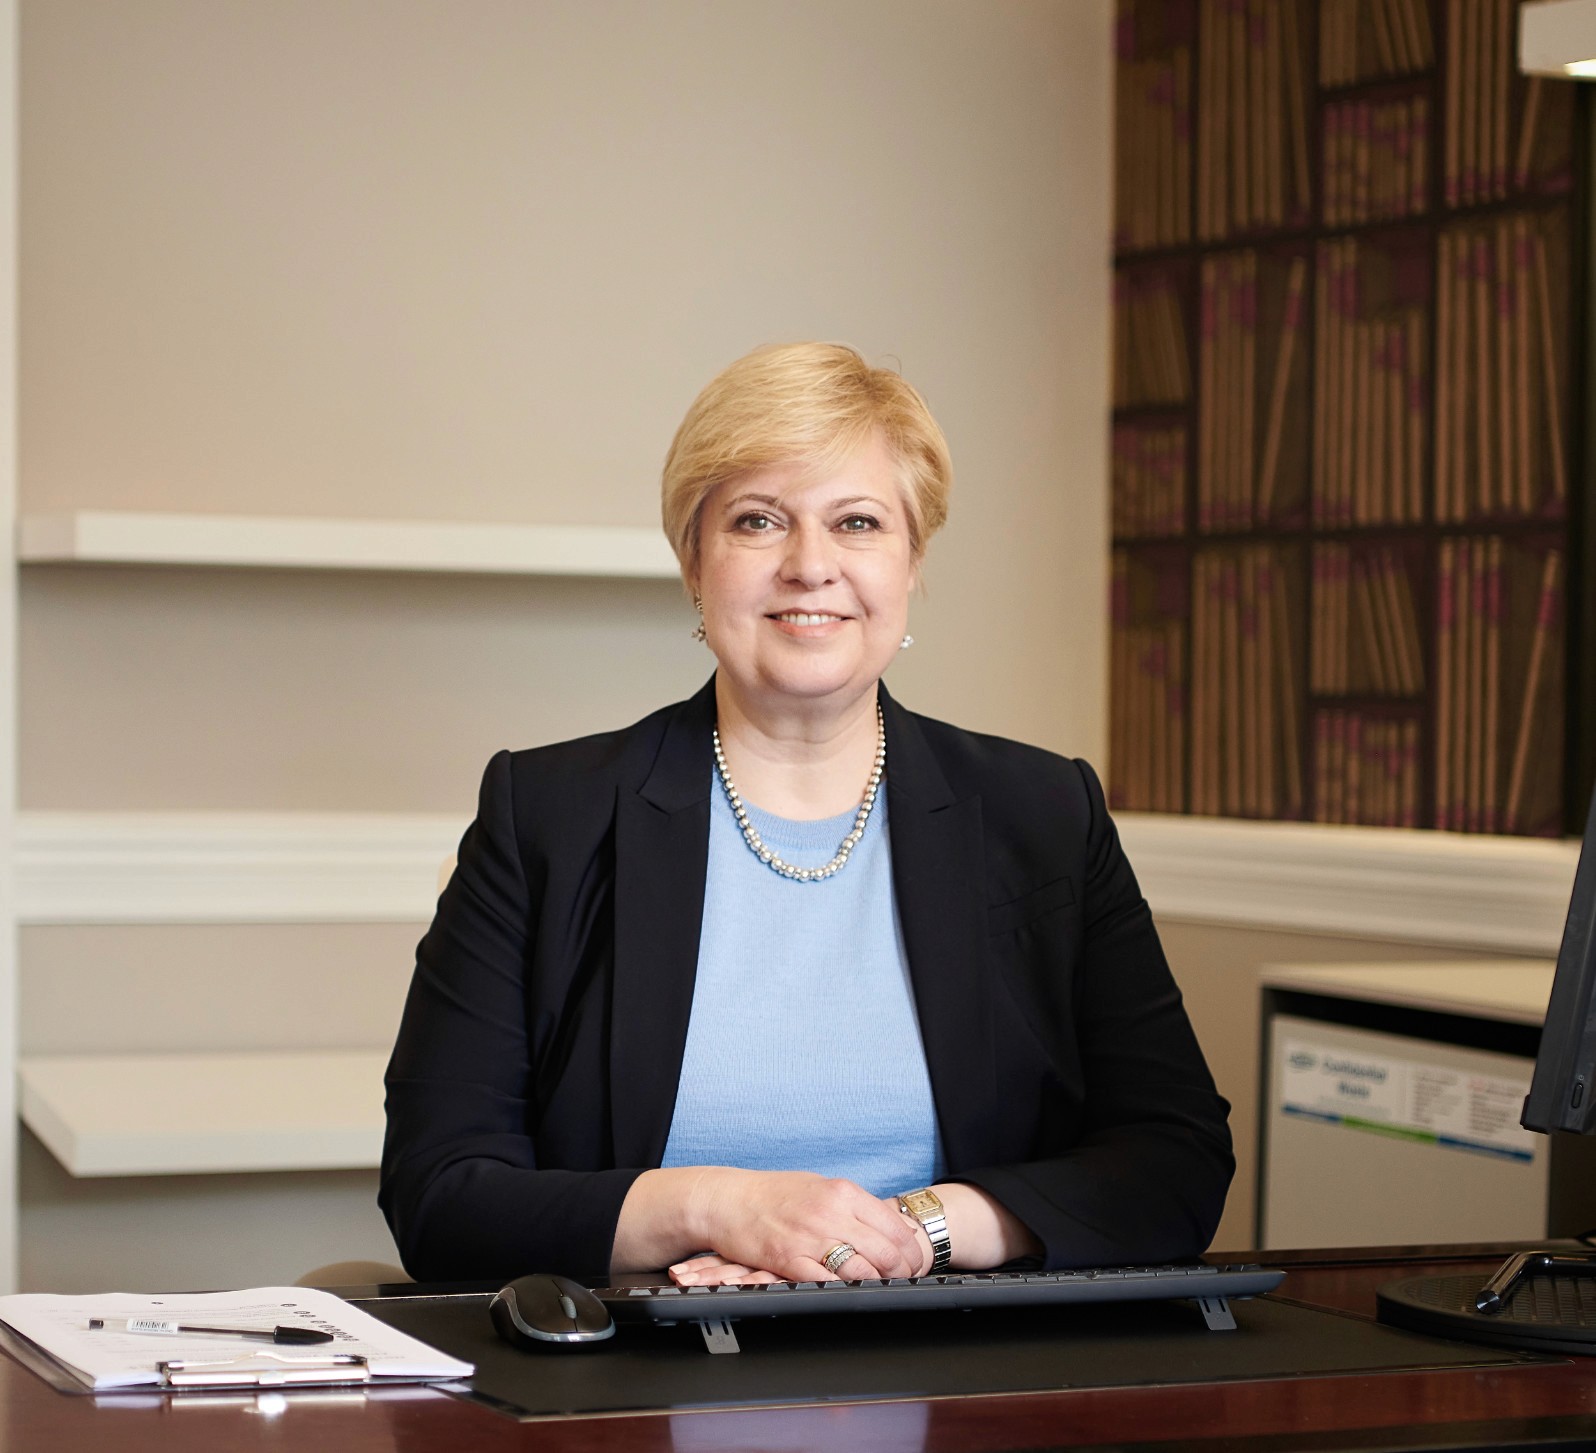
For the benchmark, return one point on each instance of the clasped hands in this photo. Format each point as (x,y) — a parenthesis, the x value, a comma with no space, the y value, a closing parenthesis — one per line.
(770,1226)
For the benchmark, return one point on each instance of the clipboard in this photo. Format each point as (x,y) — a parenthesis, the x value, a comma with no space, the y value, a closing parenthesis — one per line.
(74,1344)
(313,1370)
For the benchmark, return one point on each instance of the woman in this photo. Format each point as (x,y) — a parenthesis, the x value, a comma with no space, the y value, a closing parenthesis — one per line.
(785,975)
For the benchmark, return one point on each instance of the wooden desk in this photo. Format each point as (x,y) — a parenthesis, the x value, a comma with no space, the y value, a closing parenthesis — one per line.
(1551,1405)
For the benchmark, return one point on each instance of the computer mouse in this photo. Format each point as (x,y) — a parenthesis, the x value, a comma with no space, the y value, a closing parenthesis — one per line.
(542,1311)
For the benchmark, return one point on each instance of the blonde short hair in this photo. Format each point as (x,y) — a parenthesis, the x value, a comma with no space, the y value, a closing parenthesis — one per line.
(802,403)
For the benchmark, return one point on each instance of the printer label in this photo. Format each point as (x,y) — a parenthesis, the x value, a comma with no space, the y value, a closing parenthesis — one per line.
(1440,1105)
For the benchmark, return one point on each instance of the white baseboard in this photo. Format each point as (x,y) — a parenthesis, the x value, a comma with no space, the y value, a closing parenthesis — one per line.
(1445,889)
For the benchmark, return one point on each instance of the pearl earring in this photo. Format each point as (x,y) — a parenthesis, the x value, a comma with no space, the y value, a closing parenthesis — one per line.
(698,630)
(905,643)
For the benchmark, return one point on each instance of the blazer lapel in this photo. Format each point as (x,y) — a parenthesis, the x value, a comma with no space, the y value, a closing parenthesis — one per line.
(661,860)
(939,872)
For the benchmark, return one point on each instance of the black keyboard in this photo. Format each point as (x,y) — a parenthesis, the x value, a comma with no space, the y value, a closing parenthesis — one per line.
(923,1293)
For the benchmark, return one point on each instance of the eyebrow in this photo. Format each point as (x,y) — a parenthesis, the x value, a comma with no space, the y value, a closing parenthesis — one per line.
(836,504)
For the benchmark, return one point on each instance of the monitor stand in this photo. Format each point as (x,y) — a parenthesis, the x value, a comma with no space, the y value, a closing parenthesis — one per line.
(1538,1301)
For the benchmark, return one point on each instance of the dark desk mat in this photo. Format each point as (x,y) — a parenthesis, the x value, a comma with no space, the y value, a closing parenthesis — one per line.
(934,1354)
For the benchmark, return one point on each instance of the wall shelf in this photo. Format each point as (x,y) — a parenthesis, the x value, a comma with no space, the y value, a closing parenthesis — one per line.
(111,537)
(194,1114)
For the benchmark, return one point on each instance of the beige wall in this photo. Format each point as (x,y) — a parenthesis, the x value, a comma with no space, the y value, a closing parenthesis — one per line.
(471,260)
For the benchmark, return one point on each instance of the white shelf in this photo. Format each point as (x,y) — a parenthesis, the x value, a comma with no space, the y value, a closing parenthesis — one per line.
(193,1114)
(1513,991)
(107,537)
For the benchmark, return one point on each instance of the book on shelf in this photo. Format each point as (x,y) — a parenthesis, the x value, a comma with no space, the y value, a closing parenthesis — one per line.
(1251,123)
(1246,759)
(1362,40)
(1152,177)
(1500,450)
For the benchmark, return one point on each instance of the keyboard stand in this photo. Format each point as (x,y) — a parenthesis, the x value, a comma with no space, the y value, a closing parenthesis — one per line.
(1216,1312)
(719,1337)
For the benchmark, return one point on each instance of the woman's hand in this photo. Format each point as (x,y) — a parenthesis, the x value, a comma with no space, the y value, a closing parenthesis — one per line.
(778,1223)
(984,1234)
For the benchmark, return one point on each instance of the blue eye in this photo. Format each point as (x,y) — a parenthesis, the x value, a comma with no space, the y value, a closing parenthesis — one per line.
(859,524)
(756,521)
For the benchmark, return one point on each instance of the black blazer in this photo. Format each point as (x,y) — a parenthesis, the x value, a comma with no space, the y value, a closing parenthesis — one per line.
(535,1072)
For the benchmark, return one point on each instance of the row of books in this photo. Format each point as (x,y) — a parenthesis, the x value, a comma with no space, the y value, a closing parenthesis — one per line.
(1376,160)
(1365,769)
(1499,427)
(1153,173)
(1236,484)
(1481,52)
(1149,480)
(1147,747)
(1150,351)
(1252,127)
(1246,753)
(1368,410)
(1364,632)
(1496,670)
(1363,39)
(1497,659)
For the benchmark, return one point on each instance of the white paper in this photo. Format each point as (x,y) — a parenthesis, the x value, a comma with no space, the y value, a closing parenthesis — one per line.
(114,1358)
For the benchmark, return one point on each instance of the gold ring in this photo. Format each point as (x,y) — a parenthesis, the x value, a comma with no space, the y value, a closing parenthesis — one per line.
(838,1257)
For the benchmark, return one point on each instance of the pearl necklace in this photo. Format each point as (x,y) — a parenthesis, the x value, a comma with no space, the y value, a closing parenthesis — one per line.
(756,844)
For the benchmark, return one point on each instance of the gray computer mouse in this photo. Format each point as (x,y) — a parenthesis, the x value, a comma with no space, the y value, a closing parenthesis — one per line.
(544,1311)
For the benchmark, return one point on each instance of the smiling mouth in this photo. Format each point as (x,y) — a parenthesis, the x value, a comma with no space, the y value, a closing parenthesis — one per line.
(806,618)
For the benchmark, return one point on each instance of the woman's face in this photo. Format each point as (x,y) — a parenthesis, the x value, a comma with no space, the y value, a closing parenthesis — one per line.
(805,580)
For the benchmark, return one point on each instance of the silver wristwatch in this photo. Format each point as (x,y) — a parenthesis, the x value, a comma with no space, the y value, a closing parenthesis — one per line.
(926,1208)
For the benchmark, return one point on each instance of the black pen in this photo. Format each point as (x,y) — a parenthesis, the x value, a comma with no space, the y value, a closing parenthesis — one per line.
(152,1326)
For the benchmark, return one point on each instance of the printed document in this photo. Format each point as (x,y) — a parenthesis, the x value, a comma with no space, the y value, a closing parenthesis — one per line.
(111,1357)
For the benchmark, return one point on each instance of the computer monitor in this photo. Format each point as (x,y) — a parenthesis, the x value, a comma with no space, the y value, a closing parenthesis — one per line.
(1544,1300)
(1562,1093)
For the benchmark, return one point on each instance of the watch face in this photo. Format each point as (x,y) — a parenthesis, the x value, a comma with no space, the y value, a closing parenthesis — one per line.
(922,1203)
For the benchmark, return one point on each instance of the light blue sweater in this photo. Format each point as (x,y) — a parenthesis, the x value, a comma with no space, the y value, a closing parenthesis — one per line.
(803,1051)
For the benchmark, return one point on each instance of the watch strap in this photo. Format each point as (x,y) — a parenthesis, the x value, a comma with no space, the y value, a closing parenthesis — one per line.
(926,1207)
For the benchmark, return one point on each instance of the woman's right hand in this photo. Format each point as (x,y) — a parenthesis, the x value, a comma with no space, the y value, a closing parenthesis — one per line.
(781,1222)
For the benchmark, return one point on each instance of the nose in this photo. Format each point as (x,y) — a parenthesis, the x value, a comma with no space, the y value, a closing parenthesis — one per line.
(811,557)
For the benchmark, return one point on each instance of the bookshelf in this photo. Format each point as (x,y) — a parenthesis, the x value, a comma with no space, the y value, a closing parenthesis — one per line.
(1346,578)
